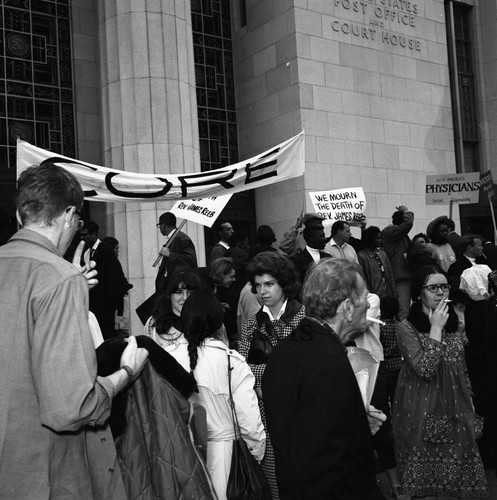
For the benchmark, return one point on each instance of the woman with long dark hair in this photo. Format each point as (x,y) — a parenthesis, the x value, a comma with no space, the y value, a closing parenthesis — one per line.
(434,424)
(164,326)
(202,318)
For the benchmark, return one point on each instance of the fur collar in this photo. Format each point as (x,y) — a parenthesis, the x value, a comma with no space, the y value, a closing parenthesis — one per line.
(109,356)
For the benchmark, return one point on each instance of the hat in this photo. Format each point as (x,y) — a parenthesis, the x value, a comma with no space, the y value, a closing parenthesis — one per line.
(312,215)
(433,225)
(311,219)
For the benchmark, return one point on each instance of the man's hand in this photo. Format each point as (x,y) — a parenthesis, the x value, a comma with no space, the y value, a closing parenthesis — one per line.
(165,252)
(401,208)
(133,356)
(88,270)
(375,419)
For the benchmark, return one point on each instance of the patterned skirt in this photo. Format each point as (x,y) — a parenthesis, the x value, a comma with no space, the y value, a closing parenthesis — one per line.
(435,470)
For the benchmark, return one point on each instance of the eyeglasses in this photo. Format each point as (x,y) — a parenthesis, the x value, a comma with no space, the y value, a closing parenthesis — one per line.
(445,287)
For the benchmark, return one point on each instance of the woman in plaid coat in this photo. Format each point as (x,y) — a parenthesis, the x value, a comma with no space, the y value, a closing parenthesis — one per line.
(274,280)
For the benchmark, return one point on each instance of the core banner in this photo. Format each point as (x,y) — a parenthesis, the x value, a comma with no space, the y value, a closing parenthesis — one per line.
(284,161)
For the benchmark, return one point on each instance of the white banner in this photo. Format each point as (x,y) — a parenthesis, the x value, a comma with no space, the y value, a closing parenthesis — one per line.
(284,161)
(201,210)
(347,204)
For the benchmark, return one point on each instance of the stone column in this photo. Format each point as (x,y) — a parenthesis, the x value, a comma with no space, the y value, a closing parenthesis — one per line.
(150,122)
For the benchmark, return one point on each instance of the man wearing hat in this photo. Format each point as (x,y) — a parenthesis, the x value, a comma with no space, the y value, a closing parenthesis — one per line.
(315,240)
(293,240)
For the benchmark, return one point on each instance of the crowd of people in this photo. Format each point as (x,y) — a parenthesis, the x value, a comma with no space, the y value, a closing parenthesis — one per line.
(260,340)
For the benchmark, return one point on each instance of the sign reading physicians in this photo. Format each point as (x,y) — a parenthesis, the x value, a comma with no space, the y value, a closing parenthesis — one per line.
(201,210)
(340,204)
(455,188)
(284,161)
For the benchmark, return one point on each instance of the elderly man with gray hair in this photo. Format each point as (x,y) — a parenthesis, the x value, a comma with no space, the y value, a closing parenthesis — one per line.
(315,413)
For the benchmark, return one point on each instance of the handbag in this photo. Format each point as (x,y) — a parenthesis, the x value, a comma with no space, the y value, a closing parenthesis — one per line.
(246,480)
(261,347)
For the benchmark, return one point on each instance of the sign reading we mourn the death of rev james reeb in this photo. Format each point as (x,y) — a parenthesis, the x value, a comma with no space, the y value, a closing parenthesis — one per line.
(347,204)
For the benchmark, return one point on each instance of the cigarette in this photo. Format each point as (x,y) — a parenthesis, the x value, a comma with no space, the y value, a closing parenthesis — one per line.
(374,320)
(447,300)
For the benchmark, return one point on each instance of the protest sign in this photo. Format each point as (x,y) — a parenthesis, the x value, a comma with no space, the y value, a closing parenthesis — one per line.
(284,161)
(347,204)
(201,210)
(452,188)
(486,188)
(487,194)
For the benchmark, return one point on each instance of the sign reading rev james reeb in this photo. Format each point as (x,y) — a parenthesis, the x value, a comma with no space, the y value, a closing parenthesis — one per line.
(458,188)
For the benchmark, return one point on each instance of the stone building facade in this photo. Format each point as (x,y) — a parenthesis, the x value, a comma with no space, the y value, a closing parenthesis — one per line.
(387,91)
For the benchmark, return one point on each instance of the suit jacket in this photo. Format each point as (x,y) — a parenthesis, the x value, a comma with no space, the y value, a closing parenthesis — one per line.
(455,240)
(382,283)
(182,253)
(490,251)
(316,419)
(303,260)
(218,251)
(109,275)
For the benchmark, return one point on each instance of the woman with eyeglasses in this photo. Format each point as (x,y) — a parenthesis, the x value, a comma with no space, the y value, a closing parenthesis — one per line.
(433,420)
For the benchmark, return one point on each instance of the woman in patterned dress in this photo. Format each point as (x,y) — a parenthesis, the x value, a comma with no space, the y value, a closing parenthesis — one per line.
(434,424)
(274,279)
